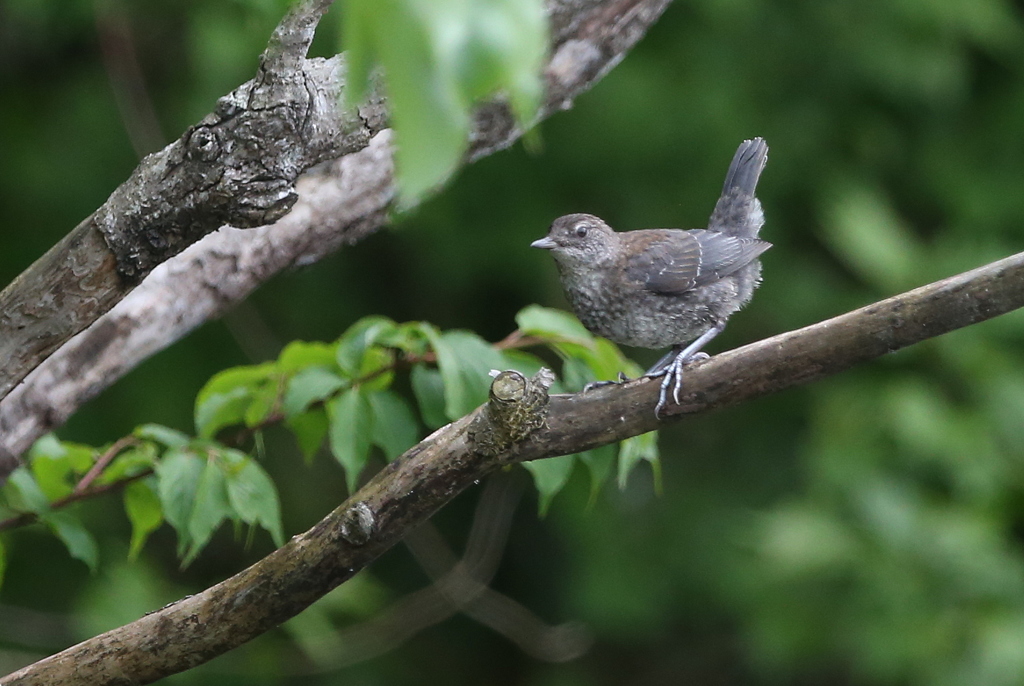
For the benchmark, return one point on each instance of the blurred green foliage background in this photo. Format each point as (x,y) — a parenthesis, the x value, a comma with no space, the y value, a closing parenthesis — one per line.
(864,530)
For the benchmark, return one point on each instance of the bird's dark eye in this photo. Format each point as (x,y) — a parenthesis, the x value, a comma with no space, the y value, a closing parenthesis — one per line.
(581,230)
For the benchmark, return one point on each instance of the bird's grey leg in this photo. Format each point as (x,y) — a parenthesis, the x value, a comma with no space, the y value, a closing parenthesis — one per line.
(671,366)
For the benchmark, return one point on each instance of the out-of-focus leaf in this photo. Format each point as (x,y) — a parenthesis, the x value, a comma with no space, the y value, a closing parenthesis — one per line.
(523,362)
(552,324)
(309,386)
(300,355)
(350,433)
(310,429)
(550,476)
(55,464)
(79,542)
(438,57)
(249,376)
(428,387)
(219,410)
(358,338)
(142,505)
(603,359)
(3,562)
(163,435)
(253,497)
(23,494)
(210,507)
(263,402)
(129,463)
(177,482)
(599,463)
(638,448)
(394,425)
(377,368)
(465,361)
(407,337)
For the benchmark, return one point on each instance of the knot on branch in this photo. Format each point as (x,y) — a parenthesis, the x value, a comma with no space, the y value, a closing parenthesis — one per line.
(238,166)
(515,410)
(358,524)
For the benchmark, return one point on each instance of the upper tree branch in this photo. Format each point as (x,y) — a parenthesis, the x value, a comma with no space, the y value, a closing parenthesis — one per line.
(516,425)
(237,166)
(162,210)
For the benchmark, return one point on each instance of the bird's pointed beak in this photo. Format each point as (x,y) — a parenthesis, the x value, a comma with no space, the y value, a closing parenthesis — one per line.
(545,243)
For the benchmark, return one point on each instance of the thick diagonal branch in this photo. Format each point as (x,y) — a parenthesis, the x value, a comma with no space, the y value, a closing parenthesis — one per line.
(339,202)
(515,426)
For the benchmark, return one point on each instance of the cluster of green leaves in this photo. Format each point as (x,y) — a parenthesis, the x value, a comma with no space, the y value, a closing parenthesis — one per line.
(194,484)
(338,393)
(439,58)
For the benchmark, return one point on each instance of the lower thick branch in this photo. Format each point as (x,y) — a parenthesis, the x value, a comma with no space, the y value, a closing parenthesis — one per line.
(412,488)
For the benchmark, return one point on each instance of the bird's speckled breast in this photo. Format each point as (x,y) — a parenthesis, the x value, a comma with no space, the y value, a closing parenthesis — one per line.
(637,317)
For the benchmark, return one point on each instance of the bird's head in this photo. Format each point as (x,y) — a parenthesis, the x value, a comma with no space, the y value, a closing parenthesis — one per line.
(580,239)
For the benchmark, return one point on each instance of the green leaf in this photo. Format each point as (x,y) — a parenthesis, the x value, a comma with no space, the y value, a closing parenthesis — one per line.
(407,337)
(253,497)
(554,325)
(599,463)
(229,380)
(300,355)
(465,361)
(550,476)
(438,58)
(603,359)
(310,429)
(525,363)
(635,449)
(3,562)
(576,374)
(264,401)
(428,387)
(79,542)
(129,463)
(350,432)
(163,435)
(310,386)
(142,505)
(210,507)
(23,493)
(222,409)
(177,480)
(394,425)
(377,368)
(55,464)
(430,118)
(354,342)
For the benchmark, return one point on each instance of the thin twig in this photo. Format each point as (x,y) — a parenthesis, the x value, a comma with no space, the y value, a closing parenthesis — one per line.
(26,518)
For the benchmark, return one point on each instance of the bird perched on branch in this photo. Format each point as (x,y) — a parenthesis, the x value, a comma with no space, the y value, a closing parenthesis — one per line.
(654,288)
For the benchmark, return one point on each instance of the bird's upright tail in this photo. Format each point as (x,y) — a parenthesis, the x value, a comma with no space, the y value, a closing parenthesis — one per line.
(738,212)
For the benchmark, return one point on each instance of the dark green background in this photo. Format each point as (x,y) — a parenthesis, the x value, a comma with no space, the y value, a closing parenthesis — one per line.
(866,529)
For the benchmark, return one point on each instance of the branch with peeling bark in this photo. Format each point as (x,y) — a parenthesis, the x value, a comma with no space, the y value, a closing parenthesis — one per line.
(181,193)
(521,422)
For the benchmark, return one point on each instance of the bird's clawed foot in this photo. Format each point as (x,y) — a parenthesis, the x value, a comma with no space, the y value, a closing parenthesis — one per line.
(672,377)
(670,367)
(600,384)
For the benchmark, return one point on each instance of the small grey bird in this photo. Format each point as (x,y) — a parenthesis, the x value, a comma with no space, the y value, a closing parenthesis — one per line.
(654,288)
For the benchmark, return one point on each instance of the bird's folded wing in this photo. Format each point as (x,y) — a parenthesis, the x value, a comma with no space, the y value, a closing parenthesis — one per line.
(691,259)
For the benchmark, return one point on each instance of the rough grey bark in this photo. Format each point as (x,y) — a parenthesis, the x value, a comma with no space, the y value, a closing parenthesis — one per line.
(339,203)
(237,166)
(588,38)
(519,423)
